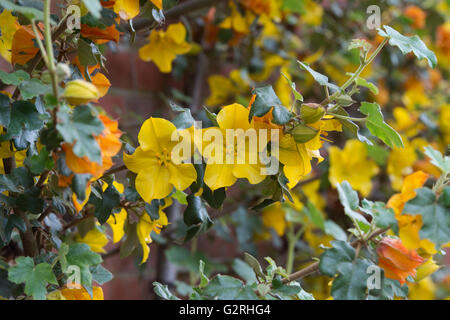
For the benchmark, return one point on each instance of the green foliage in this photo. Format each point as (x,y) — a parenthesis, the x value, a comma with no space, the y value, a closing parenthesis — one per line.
(266,100)
(79,126)
(376,125)
(435,214)
(409,44)
(35,277)
(320,78)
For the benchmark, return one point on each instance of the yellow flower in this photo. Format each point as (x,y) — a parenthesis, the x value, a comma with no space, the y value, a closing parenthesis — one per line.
(283,89)
(297,157)
(400,163)
(237,21)
(410,225)
(422,290)
(128,9)
(406,122)
(94,239)
(311,191)
(313,15)
(146,225)
(426,269)
(273,216)
(270,63)
(415,97)
(157,174)
(117,221)
(223,173)
(444,122)
(353,165)
(8,26)
(76,294)
(223,88)
(164,46)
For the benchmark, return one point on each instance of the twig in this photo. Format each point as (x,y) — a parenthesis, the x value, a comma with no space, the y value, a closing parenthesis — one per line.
(175,13)
(315,266)
(112,171)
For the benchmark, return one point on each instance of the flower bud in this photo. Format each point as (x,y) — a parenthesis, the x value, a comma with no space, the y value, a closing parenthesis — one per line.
(396,260)
(63,71)
(80,92)
(311,112)
(46,77)
(303,133)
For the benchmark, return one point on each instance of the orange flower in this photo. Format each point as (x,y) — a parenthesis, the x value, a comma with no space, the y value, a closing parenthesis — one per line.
(411,182)
(396,260)
(100,36)
(417,15)
(110,145)
(443,38)
(257,6)
(82,294)
(98,79)
(23,45)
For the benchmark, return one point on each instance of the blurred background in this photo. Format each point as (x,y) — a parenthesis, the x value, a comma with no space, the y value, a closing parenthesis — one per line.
(226,61)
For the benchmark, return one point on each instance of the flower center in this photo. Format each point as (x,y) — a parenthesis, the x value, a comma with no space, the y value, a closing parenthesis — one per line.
(163,157)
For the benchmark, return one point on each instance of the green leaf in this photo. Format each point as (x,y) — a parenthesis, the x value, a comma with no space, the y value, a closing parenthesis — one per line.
(435,214)
(40,162)
(351,284)
(334,230)
(244,271)
(17,181)
(30,89)
(100,274)
(351,126)
(320,78)
(104,206)
(297,6)
(180,196)
(203,278)
(30,201)
(366,84)
(349,199)
(254,264)
(314,215)
(80,128)
(28,12)
(196,212)
(184,119)
(377,153)
(376,125)
(163,291)
(24,117)
(14,78)
(297,95)
(94,7)
(81,255)
(265,100)
(87,53)
(384,217)
(79,183)
(341,252)
(438,160)
(35,278)
(223,287)
(213,198)
(409,44)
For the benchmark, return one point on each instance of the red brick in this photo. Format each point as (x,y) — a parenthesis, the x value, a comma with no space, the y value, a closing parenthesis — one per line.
(114,104)
(148,76)
(121,69)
